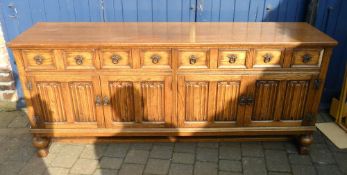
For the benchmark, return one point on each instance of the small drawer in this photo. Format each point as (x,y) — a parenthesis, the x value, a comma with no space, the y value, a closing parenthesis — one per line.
(268,58)
(79,59)
(232,59)
(39,60)
(160,59)
(115,59)
(193,59)
(307,57)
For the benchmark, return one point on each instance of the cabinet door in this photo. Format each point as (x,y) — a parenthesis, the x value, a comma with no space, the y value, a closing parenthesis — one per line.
(279,100)
(210,100)
(66,101)
(137,101)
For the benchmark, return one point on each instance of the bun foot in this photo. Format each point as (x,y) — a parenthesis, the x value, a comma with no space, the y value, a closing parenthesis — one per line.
(41,143)
(305,141)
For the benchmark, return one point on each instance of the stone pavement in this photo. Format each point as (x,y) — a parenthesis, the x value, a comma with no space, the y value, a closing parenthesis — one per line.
(17,156)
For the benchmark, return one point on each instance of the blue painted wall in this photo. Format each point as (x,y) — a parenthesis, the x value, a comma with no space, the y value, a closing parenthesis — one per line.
(331,19)
(18,15)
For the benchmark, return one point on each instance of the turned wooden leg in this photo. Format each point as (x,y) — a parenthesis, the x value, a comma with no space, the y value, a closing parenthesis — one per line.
(41,143)
(305,141)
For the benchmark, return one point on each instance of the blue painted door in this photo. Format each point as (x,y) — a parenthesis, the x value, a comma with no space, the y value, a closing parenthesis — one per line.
(18,15)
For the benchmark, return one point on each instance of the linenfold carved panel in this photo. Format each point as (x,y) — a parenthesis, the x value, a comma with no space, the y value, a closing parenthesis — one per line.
(122,101)
(265,100)
(227,99)
(295,100)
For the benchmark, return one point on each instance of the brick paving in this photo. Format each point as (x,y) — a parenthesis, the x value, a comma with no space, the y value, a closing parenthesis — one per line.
(17,156)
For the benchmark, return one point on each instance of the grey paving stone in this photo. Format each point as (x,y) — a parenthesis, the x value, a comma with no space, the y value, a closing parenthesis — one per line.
(169,144)
(276,160)
(84,166)
(228,173)
(205,168)
(321,155)
(297,159)
(328,170)
(34,166)
(279,173)
(56,147)
(157,166)
(318,137)
(230,152)
(207,154)
(19,121)
(111,163)
(22,154)
(56,171)
(7,117)
(181,169)
(136,156)
(93,151)
(131,169)
(303,170)
(185,158)
(291,147)
(67,156)
(105,172)
(161,152)
(230,144)
(253,165)
(11,167)
(252,149)
(208,144)
(117,150)
(341,159)
(273,145)
(230,165)
(141,146)
(185,147)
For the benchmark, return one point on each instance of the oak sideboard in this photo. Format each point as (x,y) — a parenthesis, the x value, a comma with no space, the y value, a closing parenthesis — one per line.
(257,81)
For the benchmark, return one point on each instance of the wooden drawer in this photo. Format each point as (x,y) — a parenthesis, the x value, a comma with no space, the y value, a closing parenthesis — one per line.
(39,60)
(232,58)
(156,58)
(79,59)
(307,57)
(115,58)
(193,58)
(267,58)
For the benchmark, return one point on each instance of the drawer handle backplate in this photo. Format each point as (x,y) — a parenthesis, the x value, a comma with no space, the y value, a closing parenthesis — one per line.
(155,59)
(106,101)
(38,59)
(306,58)
(232,58)
(192,59)
(115,59)
(98,100)
(79,59)
(267,58)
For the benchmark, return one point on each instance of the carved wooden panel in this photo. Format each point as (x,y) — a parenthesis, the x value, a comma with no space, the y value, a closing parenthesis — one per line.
(38,59)
(196,101)
(122,101)
(82,59)
(156,58)
(193,58)
(50,99)
(268,58)
(265,100)
(227,101)
(153,101)
(83,101)
(115,58)
(295,99)
(232,59)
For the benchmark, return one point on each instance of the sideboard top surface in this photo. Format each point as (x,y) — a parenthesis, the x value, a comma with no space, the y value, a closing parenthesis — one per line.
(171,34)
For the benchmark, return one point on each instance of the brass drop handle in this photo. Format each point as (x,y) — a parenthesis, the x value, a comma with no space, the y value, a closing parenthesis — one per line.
(192,59)
(267,57)
(79,59)
(232,58)
(38,59)
(155,59)
(106,101)
(306,58)
(98,100)
(115,59)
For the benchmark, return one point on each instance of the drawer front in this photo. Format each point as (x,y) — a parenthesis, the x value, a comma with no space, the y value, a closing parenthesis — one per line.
(160,59)
(267,58)
(193,58)
(115,59)
(39,59)
(307,58)
(232,58)
(79,59)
